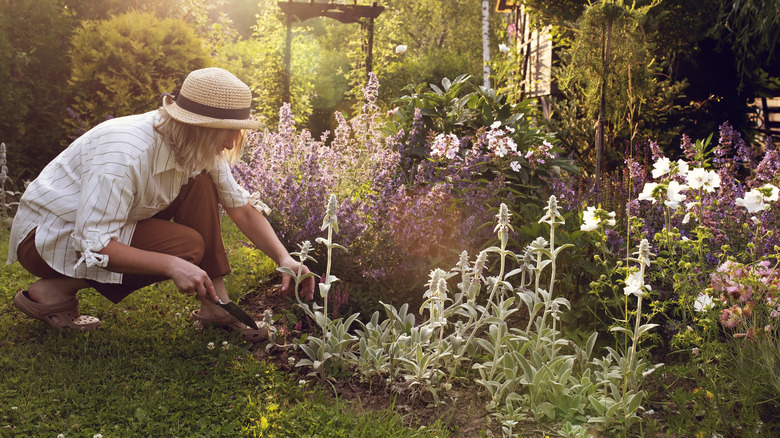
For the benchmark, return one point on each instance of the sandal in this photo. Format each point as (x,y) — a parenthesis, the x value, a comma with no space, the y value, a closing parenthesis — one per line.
(58,316)
(230,323)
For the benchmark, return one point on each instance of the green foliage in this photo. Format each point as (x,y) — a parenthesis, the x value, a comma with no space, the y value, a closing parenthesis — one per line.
(610,54)
(104,9)
(749,29)
(441,38)
(147,371)
(525,372)
(561,12)
(259,61)
(121,66)
(468,111)
(33,46)
(610,71)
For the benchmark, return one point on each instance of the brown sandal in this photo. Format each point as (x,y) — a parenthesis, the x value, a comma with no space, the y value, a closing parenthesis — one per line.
(59,316)
(230,323)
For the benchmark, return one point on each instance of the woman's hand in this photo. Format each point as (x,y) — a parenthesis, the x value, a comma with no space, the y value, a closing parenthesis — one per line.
(256,227)
(190,279)
(288,286)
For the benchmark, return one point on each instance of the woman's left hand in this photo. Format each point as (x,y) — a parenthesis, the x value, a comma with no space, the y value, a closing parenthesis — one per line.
(288,285)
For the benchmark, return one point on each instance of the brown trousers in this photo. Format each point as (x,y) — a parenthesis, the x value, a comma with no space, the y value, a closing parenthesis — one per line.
(195,235)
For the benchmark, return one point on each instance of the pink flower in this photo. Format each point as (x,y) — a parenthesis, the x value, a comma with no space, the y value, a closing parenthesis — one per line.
(445,145)
(731,317)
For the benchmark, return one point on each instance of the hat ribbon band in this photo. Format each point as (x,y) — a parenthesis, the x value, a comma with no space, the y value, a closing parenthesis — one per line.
(208,110)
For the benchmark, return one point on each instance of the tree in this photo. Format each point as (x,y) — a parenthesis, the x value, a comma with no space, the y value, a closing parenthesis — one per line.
(33,61)
(751,30)
(610,57)
(121,66)
(440,36)
(486,43)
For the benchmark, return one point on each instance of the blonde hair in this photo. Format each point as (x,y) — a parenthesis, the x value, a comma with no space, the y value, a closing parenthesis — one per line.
(196,148)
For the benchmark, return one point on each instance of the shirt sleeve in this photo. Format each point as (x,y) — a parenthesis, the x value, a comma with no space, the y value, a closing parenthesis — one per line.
(230,193)
(103,210)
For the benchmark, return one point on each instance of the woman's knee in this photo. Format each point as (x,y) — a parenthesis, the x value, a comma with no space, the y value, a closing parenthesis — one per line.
(194,247)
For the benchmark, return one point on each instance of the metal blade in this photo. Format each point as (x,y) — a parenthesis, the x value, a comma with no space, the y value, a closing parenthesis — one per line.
(240,315)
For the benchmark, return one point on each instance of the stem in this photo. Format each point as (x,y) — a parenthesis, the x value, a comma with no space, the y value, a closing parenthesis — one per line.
(327,274)
(503,254)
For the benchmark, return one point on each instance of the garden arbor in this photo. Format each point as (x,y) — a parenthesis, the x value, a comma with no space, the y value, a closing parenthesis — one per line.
(354,13)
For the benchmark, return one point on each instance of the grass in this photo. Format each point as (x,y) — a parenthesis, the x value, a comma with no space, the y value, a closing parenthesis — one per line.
(147,371)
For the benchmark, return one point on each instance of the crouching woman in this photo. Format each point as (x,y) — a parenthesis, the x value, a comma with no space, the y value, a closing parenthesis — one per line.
(135,201)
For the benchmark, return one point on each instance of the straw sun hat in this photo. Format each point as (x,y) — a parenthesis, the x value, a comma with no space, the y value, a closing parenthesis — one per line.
(212,98)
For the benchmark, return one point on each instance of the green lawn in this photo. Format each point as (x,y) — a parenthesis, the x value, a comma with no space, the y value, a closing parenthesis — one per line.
(147,371)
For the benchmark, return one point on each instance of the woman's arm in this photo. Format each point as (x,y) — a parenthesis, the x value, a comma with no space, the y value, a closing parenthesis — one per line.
(257,229)
(189,278)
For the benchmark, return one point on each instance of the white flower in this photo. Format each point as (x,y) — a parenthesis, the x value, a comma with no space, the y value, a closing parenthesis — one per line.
(445,145)
(210,345)
(61,436)
(589,220)
(291,360)
(301,382)
(682,167)
(661,167)
(755,220)
(503,48)
(400,49)
(697,177)
(495,125)
(515,166)
(647,192)
(673,194)
(635,284)
(686,218)
(592,217)
(714,181)
(97,435)
(753,201)
(702,303)
(774,195)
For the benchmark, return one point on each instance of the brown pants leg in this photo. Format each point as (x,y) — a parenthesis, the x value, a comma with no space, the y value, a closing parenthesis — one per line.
(194,235)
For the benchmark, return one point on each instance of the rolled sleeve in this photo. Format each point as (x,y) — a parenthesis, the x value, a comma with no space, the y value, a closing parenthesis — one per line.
(230,194)
(103,210)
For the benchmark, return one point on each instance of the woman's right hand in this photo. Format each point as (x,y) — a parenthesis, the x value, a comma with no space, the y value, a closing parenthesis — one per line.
(190,279)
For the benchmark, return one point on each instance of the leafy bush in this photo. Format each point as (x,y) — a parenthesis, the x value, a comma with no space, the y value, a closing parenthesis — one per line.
(408,199)
(121,66)
(712,220)
(295,173)
(33,62)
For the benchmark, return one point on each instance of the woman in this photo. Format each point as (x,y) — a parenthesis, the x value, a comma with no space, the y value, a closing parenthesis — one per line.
(136,200)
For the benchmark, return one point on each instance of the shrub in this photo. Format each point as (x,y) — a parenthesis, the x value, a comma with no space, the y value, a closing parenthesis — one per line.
(295,173)
(33,62)
(121,66)
(408,199)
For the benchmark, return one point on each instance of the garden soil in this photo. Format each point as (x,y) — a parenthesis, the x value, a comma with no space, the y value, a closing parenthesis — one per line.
(463,412)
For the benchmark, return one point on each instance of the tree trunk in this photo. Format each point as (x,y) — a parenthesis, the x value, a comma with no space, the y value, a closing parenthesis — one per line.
(486,43)
(606,30)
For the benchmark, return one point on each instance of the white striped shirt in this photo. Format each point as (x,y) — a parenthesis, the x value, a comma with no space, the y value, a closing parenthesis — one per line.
(113,176)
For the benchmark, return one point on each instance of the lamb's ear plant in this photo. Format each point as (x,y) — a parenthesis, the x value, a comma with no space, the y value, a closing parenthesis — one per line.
(526,372)
(332,352)
(5,204)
